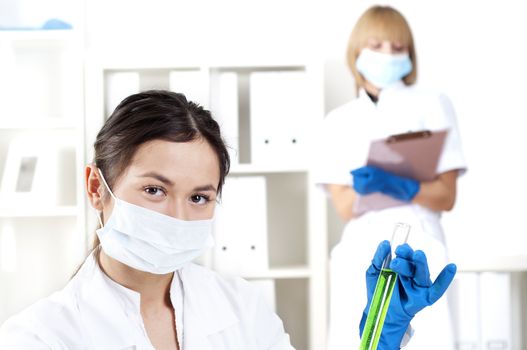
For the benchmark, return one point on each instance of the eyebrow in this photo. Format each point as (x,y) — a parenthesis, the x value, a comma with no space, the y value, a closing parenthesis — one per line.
(168,182)
(205,188)
(159,177)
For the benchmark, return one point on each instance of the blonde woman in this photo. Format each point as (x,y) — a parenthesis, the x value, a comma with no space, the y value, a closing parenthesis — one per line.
(382,58)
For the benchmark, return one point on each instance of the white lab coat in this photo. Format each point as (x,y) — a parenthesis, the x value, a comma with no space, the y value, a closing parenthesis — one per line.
(343,145)
(94,312)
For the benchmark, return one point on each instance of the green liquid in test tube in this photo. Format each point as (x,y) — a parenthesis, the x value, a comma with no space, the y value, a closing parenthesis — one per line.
(383,293)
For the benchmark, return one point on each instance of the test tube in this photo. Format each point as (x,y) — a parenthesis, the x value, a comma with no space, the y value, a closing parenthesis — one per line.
(383,292)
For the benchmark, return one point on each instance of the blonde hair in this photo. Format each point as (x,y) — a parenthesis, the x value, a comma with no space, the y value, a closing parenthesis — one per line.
(381,23)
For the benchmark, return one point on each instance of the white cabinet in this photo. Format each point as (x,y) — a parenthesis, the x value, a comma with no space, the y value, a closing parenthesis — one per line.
(489,298)
(272,229)
(41,155)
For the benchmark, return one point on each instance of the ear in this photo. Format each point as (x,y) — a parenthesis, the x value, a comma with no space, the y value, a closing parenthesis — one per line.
(94,187)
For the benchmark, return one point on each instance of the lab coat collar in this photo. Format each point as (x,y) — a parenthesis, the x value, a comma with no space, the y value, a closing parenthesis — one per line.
(105,308)
(206,306)
(108,309)
(399,84)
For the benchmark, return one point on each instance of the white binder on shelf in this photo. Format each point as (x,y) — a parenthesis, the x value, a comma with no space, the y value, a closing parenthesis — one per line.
(280,113)
(496,312)
(224,108)
(191,83)
(119,85)
(240,227)
(466,311)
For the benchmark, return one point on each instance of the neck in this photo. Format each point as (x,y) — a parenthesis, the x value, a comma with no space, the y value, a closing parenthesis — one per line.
(154,289)
(371,89)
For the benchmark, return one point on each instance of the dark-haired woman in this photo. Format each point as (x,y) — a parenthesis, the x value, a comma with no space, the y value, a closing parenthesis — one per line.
(159,166)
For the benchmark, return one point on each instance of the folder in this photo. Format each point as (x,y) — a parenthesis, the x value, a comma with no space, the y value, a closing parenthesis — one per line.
(240,234)
(280,110)
(413,154)
(496,310)
(224,108)
(466,310)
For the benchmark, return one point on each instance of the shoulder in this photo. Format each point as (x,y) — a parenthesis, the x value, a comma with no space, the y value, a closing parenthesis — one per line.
(434,106)
(425,94)
(226,292)
(339,120)
(229,295)
(343,112)
(51,322)
(236,289)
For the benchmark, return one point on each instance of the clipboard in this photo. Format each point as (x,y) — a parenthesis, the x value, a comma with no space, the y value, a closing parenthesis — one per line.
(413,154)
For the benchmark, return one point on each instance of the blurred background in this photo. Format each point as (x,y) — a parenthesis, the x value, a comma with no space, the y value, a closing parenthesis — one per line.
(60,79)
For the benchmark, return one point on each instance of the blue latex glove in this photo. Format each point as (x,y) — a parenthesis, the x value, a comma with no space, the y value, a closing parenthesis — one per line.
(369,179)
(413,291)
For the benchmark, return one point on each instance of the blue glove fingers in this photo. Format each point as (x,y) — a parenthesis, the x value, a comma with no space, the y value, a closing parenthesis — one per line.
(403,267)
(412,299)
(403,263)
(411,188)
(361,172)
(362,180)
(442,282)
(404,251)
(422,273)
(383,249)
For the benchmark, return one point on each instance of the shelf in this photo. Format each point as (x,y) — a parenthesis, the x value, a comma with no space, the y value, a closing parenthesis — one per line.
(42,211)
(513,263)
(170,60)
(255,67)
(240,169)
(45,124)
(293,272)
(37,35)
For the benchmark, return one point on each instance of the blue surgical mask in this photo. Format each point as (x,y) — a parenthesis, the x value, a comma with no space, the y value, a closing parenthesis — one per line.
(383,69)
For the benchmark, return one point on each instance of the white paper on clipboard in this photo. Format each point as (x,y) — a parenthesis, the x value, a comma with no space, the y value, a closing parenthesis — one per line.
(414,155)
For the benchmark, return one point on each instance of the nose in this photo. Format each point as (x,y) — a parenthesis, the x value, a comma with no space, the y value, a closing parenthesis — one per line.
(177,209)
(387,47)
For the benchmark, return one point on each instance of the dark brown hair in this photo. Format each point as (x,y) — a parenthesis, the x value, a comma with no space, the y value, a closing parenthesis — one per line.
(154,115)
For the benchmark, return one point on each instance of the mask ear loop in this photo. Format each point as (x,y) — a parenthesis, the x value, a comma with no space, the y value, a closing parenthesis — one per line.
(99,217)
(99,213)
(105,183)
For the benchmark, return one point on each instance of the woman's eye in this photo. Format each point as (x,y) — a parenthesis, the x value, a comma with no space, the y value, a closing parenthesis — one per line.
(199,199)
(374,45)
(398,48)
(155,191)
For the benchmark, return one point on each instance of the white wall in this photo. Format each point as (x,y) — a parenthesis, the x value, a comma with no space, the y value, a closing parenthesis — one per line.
(203,31)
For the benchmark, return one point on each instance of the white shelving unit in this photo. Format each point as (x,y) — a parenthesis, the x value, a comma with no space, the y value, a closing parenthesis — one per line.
(492,299)
(41,156)
(295,261)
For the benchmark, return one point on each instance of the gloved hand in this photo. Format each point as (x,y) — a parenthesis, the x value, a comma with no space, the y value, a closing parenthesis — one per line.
(413,290)
(369,179)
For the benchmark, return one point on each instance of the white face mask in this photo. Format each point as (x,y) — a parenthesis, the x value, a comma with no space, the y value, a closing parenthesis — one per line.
(150,241)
